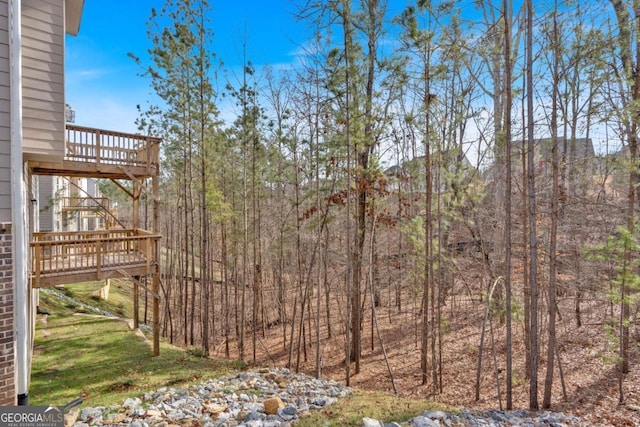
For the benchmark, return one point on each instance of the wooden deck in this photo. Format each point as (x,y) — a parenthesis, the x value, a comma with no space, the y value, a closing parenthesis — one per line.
(101,153)
(68,257)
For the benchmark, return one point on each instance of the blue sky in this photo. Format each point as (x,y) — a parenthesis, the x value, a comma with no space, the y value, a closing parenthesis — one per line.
(102,82)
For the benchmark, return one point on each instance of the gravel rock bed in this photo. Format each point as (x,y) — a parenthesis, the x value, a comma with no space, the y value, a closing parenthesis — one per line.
(272,398)
(264,398)
(277,398)
(487,418)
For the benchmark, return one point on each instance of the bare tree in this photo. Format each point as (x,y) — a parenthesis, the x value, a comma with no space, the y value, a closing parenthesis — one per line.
(553,235)
(533,239)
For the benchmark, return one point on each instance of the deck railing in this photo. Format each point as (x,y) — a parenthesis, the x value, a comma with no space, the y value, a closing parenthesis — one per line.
(85,203)
(104,147)
(62,253)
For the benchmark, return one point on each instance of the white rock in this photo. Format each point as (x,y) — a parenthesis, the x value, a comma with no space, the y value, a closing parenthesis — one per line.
(370,422)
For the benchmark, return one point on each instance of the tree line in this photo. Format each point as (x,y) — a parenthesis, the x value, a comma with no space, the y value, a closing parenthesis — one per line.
(403,162)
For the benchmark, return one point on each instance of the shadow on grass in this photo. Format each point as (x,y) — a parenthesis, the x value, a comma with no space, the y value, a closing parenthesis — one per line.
(104,362)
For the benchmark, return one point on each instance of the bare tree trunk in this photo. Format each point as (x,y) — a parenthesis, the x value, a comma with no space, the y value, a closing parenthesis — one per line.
(319,235)
(185,251)
(533,240)
(325,278)
(507,195)
(191,248)
(346,26)
(245,251)
(299,273)
(487,314)
(551,343)
(525,246)
(226,309)
(626,40)
(426,333)
(436,282)
(257,274)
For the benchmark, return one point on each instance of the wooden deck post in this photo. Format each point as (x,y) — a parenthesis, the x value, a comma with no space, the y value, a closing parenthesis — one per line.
(104,292)
(98,136)
(99,258)
(136,303)
(156,269)
(38,261)
(135,215)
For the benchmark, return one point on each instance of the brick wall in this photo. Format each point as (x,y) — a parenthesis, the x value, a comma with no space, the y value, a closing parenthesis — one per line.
(7,339)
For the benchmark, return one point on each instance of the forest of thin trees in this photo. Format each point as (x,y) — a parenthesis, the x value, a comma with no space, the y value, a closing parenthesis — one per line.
(485,150)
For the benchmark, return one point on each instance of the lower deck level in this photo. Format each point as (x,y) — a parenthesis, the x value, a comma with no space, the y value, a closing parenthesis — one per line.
(70,257)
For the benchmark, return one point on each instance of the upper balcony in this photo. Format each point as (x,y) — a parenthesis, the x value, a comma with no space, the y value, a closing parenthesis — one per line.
(101,153)
(73,256)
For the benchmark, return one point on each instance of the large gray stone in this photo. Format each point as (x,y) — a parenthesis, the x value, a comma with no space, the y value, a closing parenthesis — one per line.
(370,422)
(421,421)
(132,403)
(435,415)
(253,416)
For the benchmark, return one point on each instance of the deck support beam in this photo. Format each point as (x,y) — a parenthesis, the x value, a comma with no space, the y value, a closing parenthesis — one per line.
(135,216)
(136,303)
(123,188)
(156,268)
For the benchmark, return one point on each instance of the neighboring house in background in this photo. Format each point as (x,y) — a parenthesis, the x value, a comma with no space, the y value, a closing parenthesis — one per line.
(411,173)
(72,204)
(35,142)
(578,155)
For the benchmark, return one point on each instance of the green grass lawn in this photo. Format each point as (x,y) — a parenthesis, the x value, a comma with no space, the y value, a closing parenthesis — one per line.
(381,406)
(104,362)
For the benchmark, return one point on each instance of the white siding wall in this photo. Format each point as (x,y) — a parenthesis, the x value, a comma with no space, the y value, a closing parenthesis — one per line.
(43,79)
(5,122)
(46,202)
